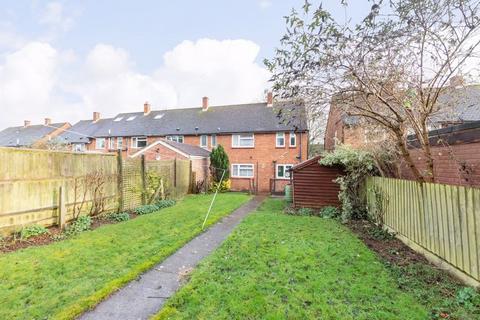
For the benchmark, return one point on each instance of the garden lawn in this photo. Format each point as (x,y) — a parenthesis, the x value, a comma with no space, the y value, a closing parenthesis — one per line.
(61,280)
(276,266)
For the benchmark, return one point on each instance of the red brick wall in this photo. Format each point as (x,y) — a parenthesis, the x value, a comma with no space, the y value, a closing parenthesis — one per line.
(334,128)
(458,164)
(261,156)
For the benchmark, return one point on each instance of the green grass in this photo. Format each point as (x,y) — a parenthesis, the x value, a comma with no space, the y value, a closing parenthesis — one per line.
(276,266)
(61,280)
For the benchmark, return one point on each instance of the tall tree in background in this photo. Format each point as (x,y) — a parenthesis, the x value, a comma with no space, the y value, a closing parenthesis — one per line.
(219,163)
(389,69)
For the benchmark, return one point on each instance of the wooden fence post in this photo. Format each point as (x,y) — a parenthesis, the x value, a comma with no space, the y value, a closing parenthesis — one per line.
(143,171)
(120,180)
(62,210)
(175,172)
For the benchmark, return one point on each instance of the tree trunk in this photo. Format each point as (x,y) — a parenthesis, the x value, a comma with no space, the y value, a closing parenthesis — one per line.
(406,155)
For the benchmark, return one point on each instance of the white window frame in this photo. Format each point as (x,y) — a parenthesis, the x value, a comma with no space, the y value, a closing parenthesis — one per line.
(100,146)
(280,135)
(245,136)
(79,147)
(119,143)
(285,170)
(204,136)
(175,138)
(294,136)
(237,175)
(213,140)
(135,142)
(111,144)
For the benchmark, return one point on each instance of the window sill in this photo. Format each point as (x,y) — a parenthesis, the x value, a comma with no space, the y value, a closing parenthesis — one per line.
(242,177)
(243,147)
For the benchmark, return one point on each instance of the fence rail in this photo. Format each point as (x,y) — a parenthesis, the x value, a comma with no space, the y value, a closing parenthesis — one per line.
(443,219)
(30,183)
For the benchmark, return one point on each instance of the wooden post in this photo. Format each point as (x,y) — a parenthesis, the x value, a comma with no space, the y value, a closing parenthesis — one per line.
(62,210)
(191,180)
(175,172)
(143,171)
(120,180)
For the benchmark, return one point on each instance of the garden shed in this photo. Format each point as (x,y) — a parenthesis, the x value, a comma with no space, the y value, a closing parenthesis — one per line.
(313,185)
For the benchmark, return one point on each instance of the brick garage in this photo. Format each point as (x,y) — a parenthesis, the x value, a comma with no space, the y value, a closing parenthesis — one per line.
(456,155)
(313,185)
(169,150)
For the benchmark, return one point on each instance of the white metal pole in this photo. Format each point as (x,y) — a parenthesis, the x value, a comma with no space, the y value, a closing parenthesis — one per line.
(213,200)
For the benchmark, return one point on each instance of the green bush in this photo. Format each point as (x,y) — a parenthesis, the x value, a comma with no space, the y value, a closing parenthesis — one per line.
(118,217)
(357,165)
(83,223)
(222,187)
(219,164)
(165,203)
(32,231)
(330,212)
(305,212)
(149,208)
(146,209)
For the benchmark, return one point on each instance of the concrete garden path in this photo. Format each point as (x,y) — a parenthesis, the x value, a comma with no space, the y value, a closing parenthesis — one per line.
(145,296)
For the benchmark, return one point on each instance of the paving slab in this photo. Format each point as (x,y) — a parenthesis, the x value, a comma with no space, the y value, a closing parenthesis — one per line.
(145,296)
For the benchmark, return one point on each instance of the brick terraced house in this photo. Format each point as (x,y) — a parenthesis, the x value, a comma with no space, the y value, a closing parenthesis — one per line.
(263,140)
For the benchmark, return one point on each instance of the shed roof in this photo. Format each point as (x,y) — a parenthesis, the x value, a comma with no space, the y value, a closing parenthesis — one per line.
(182,148)
(307,163)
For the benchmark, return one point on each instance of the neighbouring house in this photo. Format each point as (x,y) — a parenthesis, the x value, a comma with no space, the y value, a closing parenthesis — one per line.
(262,140)
(164,149)
(313,184)
(32,136)
(460,105)
(455,152)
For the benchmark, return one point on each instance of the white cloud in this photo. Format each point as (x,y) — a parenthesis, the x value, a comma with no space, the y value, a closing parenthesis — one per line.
(264,4)
(39,81)
(54,16)
(225,71)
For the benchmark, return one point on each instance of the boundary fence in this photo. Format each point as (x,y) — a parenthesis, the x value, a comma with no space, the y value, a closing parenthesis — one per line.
(442,219)
(52,187)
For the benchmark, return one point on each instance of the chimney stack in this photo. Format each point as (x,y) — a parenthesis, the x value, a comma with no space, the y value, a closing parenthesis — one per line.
(146,108)
(26,123)
(269,99)
(96,116)
(204,103)
(48,121)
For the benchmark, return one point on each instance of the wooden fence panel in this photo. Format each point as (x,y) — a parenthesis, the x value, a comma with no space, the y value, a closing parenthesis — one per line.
(443,219)
(30,181)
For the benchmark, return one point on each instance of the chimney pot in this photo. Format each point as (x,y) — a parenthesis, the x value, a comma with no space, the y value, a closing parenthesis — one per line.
(269,99)
(26,123)
(146,108)
(205,103)
(48,121)
(96,116)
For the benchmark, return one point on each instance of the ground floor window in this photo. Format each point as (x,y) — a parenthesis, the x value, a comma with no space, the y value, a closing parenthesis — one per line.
(283,171)
(242,170)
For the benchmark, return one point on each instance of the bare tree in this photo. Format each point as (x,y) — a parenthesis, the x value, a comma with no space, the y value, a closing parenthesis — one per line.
(390,69)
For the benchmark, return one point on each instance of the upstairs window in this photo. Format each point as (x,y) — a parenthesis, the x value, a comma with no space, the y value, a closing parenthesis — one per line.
(79,147)
(293,139)
(214,140)
(139,142)
(111,144)
(100,143)
(280,142)
(175,138)
(119,143)
(242,170)
(282,171)
(243,140)
(203,141)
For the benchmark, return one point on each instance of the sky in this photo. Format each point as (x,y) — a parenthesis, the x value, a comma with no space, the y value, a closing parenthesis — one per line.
(66,59)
